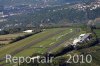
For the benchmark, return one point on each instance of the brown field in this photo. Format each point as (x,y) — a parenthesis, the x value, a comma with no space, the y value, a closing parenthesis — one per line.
(5,39)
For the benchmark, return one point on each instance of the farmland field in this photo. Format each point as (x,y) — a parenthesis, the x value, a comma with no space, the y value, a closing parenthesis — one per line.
(5,39)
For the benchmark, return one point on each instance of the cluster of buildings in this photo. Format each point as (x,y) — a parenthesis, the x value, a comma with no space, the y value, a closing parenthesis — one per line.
(83,6)
(82,38)
(1,17)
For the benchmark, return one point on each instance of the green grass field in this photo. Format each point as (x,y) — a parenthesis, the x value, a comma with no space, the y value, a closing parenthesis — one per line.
(10,48)
(40,47)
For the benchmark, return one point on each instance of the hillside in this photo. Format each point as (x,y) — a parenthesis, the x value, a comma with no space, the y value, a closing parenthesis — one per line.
(17,2)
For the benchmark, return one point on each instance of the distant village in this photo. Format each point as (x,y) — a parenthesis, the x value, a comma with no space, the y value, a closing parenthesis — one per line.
(84,6)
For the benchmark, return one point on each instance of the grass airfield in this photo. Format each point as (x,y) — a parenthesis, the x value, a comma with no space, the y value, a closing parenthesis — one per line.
(38,43)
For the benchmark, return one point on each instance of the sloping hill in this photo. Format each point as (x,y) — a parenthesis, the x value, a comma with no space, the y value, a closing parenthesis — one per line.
(17,2)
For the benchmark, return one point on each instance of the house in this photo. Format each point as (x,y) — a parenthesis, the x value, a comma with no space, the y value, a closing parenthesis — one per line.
(28,31)
(0,29)
(82,38)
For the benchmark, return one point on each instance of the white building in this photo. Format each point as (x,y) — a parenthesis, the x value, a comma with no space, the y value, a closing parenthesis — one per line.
(82,38)
(2,19)
(28,31)
(0,29)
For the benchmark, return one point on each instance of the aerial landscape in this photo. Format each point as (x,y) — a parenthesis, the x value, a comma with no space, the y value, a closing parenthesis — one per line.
(49,32)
